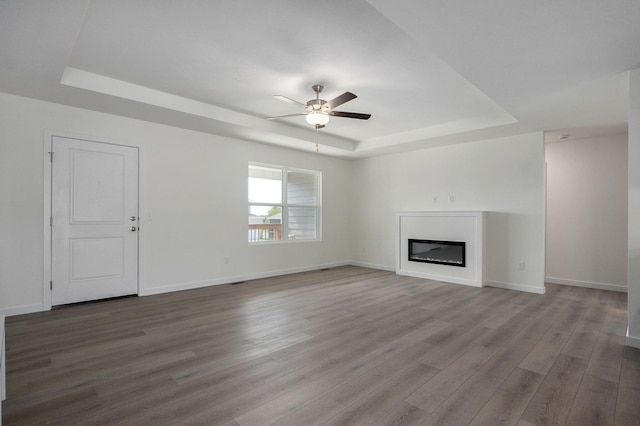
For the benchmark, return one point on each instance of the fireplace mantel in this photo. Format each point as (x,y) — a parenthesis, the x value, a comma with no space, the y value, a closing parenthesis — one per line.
(467,226)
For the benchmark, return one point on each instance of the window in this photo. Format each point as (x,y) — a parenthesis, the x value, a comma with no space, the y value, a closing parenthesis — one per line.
(284,203)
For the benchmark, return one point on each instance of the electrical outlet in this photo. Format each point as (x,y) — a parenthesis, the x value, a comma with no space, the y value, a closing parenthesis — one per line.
(521,266)
(451,199)
(434,199)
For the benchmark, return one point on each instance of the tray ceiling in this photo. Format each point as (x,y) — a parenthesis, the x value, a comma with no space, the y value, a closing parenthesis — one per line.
(430,73)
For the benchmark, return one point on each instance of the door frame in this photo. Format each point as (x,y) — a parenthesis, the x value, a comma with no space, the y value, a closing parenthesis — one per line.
(48,187)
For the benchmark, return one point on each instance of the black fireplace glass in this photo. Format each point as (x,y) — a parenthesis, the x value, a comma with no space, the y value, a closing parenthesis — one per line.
(450,253)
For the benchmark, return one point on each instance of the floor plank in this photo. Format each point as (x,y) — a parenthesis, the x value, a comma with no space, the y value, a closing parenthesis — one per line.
(553,400)
(595,402)
(509,402)
(627,407)
(433,393)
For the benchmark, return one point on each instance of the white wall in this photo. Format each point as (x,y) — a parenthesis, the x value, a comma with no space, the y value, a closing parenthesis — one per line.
(502,176)
(587,212)
(633,298)
(193,184)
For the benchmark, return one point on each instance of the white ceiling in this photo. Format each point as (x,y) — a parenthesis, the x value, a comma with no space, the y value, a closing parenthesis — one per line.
(429,72)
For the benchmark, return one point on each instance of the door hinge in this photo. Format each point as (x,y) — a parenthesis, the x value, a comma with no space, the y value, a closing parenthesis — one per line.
(51,156)
(51,285)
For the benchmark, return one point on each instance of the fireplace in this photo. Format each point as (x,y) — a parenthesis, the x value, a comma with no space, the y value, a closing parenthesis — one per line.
(443,228)
(450,253)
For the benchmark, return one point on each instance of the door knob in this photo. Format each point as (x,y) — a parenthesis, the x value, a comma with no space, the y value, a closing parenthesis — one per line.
(133,229)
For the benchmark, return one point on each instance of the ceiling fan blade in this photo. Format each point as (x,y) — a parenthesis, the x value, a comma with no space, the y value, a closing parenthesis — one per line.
(357,115)
(289,100)
(345,97)
(284,116)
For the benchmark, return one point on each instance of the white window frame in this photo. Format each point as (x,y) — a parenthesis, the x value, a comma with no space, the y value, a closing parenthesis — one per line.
(285,205)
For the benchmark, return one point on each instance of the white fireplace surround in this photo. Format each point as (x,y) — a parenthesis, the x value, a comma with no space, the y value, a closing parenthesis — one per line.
(467,226)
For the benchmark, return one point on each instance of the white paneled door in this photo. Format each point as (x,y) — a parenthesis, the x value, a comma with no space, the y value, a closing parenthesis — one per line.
(94,224)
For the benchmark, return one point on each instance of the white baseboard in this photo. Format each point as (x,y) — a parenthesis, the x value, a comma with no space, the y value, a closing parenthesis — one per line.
(372,266)
(183,286)
(508,286)
(634,342)
(19,310)
(440,278)
(235,279)
(27,309)
(519,287)
(587,284)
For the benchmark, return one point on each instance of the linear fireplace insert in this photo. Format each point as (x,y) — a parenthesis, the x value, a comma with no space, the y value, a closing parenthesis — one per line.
(450,253)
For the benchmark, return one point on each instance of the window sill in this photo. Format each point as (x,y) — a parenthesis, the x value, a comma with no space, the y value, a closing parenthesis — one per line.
(300,240)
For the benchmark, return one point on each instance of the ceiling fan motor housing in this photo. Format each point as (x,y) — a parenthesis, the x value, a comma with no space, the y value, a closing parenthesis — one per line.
(317,105)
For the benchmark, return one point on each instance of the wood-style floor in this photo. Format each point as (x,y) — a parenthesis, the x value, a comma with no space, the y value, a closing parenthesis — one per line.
(342,346)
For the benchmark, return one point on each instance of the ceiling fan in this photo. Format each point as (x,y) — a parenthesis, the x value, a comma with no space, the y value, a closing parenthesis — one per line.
(319,110)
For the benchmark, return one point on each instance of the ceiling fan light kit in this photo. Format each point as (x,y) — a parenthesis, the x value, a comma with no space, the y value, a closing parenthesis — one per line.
(319,110)
(317,118)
